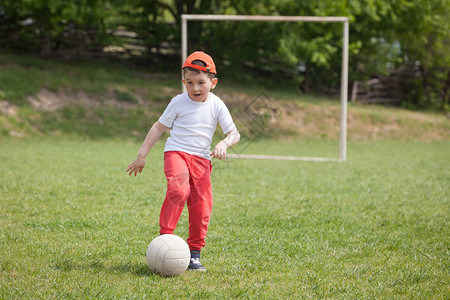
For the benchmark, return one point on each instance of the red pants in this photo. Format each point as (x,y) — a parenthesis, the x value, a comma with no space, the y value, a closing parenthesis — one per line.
(188,179)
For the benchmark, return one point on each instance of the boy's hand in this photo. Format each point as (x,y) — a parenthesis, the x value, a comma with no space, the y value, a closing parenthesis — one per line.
(136,166)
(220,151)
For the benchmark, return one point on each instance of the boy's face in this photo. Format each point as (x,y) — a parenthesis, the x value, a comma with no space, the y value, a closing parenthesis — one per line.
(198,85)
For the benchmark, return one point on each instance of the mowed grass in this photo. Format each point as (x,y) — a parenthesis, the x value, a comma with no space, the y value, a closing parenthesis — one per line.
(73,225)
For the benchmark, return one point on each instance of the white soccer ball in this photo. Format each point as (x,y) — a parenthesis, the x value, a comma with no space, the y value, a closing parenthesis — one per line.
(168,255)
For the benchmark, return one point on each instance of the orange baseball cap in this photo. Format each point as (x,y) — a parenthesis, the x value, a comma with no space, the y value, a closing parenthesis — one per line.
(200,55)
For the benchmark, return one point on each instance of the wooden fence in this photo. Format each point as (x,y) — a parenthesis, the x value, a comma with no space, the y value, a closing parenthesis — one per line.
(382,89)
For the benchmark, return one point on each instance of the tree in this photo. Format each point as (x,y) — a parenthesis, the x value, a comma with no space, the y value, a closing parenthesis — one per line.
(55,26)
(384,36)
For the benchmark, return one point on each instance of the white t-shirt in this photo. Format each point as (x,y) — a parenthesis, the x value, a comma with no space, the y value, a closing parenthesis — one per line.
(194,123)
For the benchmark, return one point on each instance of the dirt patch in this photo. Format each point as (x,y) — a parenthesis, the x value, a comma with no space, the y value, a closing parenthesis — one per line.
(119,97)
(47,100)
(8,109)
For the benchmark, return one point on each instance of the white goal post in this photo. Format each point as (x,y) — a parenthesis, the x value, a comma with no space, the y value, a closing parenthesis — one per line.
(344,71)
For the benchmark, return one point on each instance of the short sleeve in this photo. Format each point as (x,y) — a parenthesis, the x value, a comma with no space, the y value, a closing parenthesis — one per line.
(224,118)
(170,114)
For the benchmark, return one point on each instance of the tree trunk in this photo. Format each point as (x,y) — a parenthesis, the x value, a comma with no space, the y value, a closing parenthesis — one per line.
(46,44)
(445,92)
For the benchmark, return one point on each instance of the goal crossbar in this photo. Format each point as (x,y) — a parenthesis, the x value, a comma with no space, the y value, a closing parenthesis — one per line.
(344,71)
(263,18)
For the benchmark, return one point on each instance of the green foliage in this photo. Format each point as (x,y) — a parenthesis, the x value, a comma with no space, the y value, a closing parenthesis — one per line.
(409,33)
(51,26)
(384,35)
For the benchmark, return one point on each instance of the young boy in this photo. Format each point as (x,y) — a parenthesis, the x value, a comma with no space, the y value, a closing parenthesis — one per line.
(192,117)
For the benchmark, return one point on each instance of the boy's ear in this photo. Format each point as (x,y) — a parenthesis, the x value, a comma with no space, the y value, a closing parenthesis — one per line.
(214,82)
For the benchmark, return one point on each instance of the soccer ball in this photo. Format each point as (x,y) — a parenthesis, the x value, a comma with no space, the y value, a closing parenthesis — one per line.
(168,255)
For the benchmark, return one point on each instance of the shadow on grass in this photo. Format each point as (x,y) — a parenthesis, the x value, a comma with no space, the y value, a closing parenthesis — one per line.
(139,269)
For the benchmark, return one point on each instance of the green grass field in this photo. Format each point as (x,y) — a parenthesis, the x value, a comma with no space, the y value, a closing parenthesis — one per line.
(73,225)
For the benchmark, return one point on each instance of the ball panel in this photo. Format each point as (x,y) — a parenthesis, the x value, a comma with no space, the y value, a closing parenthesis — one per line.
(176,263)
(159,261)
(177,258)
(174,254)
(152,251)
(155,254)
(174,241)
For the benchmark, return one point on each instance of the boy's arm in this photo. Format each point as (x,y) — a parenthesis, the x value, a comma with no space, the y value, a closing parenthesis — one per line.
(153,135)
(220,151)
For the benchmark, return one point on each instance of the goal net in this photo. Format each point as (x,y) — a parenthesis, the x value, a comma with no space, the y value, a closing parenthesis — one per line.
(342,155)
